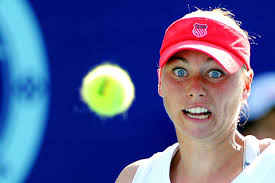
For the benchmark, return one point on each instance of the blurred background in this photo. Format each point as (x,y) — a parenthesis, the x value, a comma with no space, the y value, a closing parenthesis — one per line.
(47,134)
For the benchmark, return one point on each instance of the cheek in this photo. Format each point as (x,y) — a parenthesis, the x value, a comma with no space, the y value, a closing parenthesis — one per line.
(229,90)
(172,93)
(229,97)
(171,88)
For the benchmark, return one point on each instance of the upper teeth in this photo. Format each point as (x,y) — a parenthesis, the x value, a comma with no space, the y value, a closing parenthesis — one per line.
(197,110)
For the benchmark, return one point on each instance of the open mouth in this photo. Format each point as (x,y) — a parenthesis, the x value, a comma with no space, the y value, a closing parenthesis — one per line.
(197,113)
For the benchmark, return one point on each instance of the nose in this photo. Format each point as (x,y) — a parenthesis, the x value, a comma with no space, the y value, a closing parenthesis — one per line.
(196,88)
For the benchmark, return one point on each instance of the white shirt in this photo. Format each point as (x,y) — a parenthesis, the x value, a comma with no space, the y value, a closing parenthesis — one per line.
(258,168)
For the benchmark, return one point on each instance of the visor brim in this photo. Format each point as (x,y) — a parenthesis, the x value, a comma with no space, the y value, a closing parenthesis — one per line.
(228,61)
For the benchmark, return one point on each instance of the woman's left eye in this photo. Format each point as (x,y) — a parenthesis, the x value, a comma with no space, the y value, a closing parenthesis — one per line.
(215,74)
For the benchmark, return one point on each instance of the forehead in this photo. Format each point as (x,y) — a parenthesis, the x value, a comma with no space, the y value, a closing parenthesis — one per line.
(188,55)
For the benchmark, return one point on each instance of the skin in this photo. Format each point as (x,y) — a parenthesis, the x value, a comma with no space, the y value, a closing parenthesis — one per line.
(211,146)
(213,141)
(222,95)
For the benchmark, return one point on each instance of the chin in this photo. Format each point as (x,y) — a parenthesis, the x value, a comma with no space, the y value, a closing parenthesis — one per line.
(194,132)
(200,134)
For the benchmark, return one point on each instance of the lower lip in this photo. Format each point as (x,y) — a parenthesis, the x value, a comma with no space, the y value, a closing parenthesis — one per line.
(197,120)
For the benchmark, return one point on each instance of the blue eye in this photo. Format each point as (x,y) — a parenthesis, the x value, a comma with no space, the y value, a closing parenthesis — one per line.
(215,74)
(180,72)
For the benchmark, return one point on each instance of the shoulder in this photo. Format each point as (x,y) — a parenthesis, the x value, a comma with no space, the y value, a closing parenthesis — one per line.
(264,143)
(128,173)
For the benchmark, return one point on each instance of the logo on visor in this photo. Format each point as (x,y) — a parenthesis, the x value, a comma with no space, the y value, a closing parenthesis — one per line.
(199,30)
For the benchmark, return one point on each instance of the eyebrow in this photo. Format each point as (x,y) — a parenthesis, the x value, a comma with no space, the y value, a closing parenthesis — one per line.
(178,58)
(210,59)
(184,60)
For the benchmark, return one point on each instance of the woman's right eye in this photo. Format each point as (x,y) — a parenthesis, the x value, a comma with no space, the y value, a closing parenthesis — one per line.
(180,72)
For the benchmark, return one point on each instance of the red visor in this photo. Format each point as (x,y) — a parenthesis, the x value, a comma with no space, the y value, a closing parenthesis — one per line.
(223,43)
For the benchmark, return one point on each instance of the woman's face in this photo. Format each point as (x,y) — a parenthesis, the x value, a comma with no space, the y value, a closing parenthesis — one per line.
(200,97)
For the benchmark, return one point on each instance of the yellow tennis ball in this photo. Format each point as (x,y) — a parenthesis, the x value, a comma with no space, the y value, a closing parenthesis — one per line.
(108,90)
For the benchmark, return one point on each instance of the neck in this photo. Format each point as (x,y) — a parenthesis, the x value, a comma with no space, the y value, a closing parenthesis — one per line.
(210,159)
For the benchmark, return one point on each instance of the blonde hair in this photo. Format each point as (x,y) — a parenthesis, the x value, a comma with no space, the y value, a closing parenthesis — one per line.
(221,15)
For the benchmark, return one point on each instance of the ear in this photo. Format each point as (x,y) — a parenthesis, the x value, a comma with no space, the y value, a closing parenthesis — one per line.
(159,82)
(248,82)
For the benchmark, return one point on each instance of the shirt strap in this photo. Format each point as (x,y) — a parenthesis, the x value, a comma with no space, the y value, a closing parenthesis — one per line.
(251,150)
